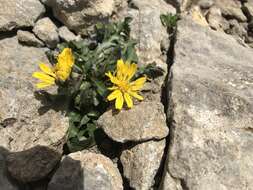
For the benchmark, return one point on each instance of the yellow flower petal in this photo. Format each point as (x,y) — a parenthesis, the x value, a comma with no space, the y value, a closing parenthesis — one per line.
(113,88)
(114,95)
(136,95)
(43,84)
(138,84)
(128,100)
(113,79)
(119,102)
(132,68)
(66,57)
(44,77)
(46,69)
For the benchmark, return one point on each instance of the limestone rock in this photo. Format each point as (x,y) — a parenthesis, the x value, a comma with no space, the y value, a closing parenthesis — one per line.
(216,20)
(248,8)
(46,30)
(86,171)
(205,4)
(66,34)
(211,98)
(143,122)
(141,163)
(181,5)
(29,39)
(19,13)
(5,182)
(33,164)
(79,15)
(25,120)
(231,8)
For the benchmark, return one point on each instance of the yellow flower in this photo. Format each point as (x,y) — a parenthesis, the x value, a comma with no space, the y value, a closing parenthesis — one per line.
(124,89)
(60,71)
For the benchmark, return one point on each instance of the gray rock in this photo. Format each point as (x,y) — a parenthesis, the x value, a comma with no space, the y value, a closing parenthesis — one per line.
(215,19)
(46,30)
(237,29)
(80,15)
(149,36)
(182,5)
(231,8)
(211,98)
(248,8)
(86,171)
(170,183)
(205,4)
(33,164)
(29,39)
(25,120)
(143,122)
(5,182)
(66,35)
(19,13)
(141,162)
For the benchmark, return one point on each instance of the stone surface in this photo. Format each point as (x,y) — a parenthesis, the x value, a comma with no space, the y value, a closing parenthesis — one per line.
(86,171)
(143,122)
(79,15)
(149,36)
(211,98)
(197,16)
(216,20)
(19,13)
(232,9)
(66,35)
(182,5)
(141,162)
(33,164)
(248,7)
(25,120)
(237,29)
(5,182)
(205,4)
(46,30)
(170,183)
(29,39)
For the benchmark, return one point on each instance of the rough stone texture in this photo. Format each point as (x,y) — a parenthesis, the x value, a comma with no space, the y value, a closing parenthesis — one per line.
(216,20)
(211,98)
(79,15)
(86,171)
(143,122)
(29,39)
(66,34)
(19,13)
(5,182)
(33,164)
(25,121)
(149,36)
(46,30)
(205,4)
(182,5)
(248,7)
(170,183)
(141,162)
(231,8)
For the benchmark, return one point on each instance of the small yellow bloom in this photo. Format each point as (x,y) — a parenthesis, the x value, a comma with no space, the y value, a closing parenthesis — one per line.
(60,71)
(124,89)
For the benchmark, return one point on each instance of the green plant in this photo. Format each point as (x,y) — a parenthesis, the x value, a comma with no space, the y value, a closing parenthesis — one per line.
(169,21)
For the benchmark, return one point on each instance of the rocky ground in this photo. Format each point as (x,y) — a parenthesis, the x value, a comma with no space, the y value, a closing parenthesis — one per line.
(193,131)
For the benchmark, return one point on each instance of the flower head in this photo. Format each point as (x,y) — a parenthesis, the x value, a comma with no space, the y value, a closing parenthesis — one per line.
(59,72)
(123,88)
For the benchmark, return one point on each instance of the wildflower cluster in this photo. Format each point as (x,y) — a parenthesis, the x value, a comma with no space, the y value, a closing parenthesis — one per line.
(93,72)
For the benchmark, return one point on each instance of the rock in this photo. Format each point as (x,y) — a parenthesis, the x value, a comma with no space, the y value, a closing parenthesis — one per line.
(86,171)
(149,36)
(181,5)
(215,19)
(46,30)
(205,4)
(19,13)
(169,183)
(79,15)
(26,121)
(5,182)
(29,39)
(141,162)
(67,35)
(237,29)
(248,9)
(143,122)
(33,164)
(211,145)
(232,9)
(197,16)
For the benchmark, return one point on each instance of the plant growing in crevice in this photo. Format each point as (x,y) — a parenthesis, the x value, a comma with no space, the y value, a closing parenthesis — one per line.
(85,86)
(169,21)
